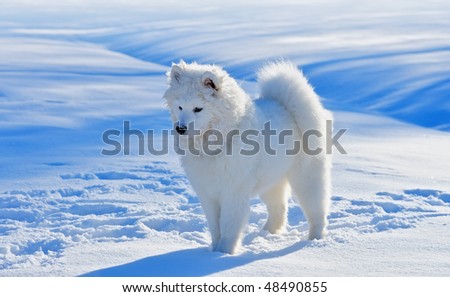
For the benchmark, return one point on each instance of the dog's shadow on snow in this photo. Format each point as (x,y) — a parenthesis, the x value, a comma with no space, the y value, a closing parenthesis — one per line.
(190,262)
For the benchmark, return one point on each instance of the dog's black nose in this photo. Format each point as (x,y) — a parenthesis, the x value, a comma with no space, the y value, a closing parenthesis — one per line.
(181,129)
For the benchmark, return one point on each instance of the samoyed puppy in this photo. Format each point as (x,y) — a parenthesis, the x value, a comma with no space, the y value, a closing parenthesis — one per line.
(208,107)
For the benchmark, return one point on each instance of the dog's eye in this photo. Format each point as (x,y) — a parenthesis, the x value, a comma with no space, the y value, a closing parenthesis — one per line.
(198,109)
(180,108)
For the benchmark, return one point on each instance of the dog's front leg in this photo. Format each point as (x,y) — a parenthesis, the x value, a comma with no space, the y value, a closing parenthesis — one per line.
(233,219)
(211,208)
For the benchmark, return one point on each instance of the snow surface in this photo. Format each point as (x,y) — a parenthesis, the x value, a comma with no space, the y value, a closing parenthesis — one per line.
(71,70)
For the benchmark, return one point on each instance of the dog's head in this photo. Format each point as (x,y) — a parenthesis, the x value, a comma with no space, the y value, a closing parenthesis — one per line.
(201,98)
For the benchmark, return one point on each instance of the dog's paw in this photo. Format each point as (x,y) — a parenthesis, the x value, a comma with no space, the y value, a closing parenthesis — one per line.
(316,233)
(226,247)
(274,229)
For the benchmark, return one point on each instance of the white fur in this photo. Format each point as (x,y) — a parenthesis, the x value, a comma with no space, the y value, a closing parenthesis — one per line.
(225,183)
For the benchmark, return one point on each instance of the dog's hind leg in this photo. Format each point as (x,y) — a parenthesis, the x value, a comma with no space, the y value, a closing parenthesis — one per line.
(310,183)
(276,202)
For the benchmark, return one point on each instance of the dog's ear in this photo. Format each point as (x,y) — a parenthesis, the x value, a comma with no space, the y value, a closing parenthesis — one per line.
(211,80)
(175,74)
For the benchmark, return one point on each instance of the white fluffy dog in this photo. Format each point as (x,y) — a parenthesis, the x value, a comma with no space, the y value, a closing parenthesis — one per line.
(205,98)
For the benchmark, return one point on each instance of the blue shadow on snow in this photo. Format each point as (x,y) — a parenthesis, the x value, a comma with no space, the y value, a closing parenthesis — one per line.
(190,262)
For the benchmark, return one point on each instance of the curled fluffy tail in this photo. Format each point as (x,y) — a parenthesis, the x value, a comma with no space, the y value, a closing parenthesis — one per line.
(284,83)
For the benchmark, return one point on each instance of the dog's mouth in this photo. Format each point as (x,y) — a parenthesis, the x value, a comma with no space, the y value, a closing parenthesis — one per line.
(188,130)
(181,129)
